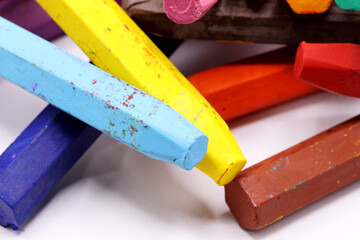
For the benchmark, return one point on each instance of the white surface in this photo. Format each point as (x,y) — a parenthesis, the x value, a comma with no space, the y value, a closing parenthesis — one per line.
(114,192)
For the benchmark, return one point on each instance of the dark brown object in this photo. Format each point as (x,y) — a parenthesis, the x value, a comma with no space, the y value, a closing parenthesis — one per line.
(296,177)
(258,21)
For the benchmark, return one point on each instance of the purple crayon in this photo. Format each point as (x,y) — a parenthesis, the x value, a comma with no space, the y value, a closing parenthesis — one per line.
(29,15)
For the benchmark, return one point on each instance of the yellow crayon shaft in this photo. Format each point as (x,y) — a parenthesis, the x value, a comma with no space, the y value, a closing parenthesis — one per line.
(117,45)
(309,6)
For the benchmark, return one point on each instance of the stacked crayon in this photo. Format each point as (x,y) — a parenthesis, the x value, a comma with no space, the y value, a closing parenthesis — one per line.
(132,93)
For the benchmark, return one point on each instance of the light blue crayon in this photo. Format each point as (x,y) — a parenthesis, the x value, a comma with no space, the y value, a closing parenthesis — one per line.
(98,98)
(348,4)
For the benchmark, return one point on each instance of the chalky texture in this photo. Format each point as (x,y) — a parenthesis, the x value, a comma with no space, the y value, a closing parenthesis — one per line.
(252,84)
(37,160)
(334,67)
(348,4)
(309,6)
(187,11)
(296,177)
(98,98)
(29,15)
(116,44)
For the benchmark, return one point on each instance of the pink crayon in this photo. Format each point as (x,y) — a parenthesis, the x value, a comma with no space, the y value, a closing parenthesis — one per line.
(187,11)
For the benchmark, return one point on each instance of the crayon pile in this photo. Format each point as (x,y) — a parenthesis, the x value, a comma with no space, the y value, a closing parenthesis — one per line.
(133,93)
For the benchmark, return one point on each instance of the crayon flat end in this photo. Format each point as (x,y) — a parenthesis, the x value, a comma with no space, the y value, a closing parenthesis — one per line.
(309,7)
(299,61)
(231,172)
(348,4)
(187,11)
(221,171)
(7,216)
(196,152)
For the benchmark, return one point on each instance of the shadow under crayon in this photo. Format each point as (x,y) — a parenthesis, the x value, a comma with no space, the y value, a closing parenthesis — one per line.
(145,182)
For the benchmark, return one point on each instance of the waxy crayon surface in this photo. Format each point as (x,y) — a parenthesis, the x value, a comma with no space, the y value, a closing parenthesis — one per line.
(333,67)
(29,15)
(296,177)
(187,11)
(348,4)
(54,137)
(117,45)
(309,6)
(37,160)
(252,84)
(98,98)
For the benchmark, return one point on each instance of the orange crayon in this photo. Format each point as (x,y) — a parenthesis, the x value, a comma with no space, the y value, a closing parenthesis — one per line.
(309,6)
(252,84)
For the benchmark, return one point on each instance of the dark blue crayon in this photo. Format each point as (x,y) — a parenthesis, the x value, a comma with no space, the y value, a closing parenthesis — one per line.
(37,160)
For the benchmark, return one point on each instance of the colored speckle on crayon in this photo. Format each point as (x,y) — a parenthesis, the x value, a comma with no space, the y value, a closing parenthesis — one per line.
(126,27)
(13,156)
(133,128)
(34,86)
(72,83)
(94,81)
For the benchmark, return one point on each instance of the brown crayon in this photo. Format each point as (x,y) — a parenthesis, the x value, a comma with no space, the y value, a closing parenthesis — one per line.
(286,182)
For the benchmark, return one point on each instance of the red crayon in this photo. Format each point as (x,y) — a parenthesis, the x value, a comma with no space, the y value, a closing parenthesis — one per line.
(296,177)
(334,67)
(251,85)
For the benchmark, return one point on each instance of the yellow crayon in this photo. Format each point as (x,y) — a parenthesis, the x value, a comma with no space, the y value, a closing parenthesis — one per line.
(117,45)
(309,6)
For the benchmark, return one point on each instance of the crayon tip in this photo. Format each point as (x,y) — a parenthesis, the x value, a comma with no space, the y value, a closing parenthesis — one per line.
(309,6)
(333,67)
(187,11)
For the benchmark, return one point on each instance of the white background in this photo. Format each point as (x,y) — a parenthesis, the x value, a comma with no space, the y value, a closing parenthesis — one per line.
(114,192)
